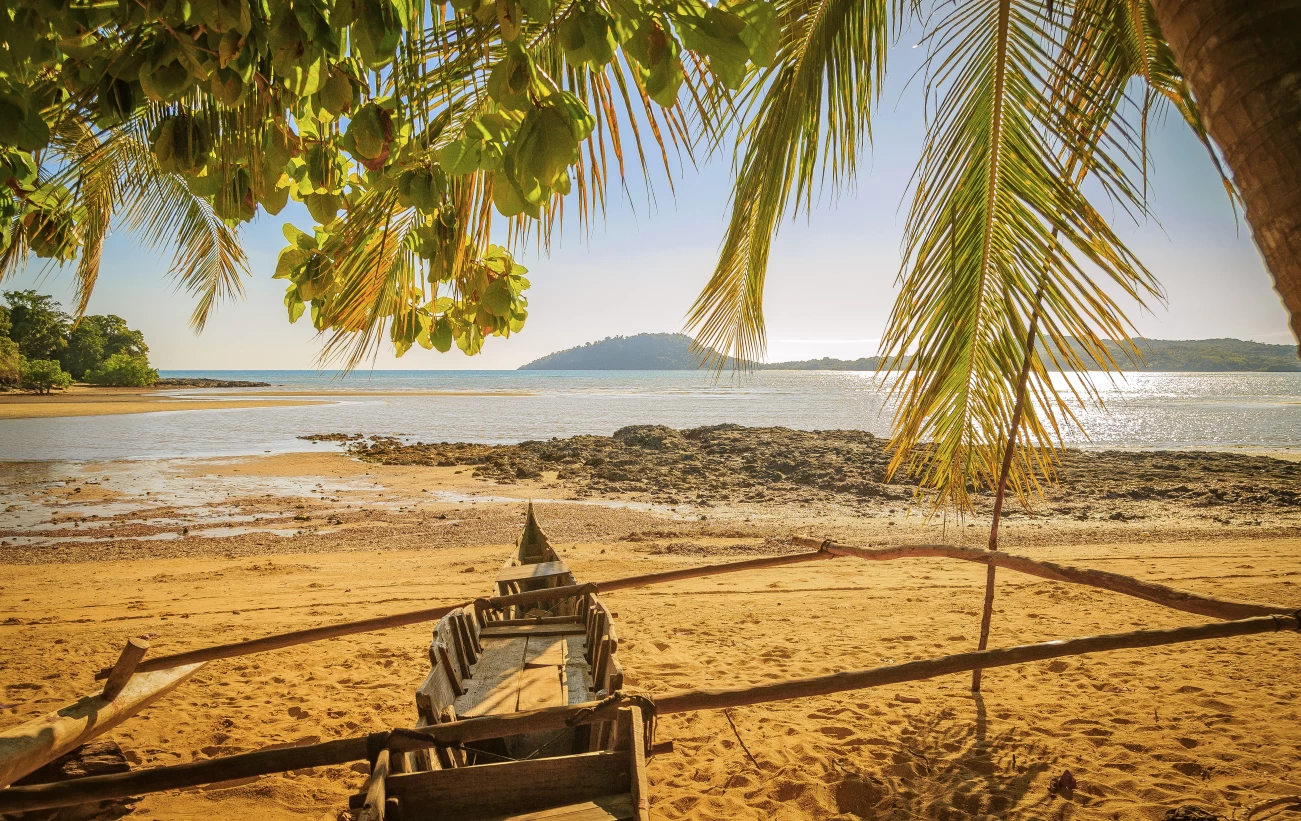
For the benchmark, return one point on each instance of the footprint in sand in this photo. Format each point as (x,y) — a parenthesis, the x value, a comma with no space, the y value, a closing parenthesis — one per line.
(836,732)
(1189,743)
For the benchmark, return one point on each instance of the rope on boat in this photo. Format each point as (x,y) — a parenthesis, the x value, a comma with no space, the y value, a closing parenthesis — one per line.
(649,711)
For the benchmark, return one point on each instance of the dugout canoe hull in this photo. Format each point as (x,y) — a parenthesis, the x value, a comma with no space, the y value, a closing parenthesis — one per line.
(490,661)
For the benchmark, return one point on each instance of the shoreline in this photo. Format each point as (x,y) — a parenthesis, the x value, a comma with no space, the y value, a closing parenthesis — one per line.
(81,400)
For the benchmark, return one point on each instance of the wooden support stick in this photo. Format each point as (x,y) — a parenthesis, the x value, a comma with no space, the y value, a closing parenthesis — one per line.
(125,668)
(689,701)
(265,762)
(373,809)
(180,776)
(33,744)
(1000,490)
(1158,593)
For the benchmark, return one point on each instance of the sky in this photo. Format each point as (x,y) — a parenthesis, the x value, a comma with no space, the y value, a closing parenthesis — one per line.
(831,281)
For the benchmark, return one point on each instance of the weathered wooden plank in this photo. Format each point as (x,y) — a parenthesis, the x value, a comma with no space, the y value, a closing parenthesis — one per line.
(576,671)
(639,789)
(126,667)
(606,808)
(28,746)
(545,650)
(489,790)
(540,687)
(493,631)
(373,807)
(444,657)
(538,620)
(495,686)
(530,572)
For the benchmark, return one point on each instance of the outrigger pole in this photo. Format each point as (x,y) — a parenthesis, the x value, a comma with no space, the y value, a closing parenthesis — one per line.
(267,762)
(826,549)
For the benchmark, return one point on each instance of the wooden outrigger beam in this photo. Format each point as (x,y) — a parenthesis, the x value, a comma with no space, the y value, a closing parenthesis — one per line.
(267,762)
(29,746)
(330,631)
(1170,597)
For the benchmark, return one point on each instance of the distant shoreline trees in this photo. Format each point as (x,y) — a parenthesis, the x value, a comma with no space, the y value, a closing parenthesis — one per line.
(42,349)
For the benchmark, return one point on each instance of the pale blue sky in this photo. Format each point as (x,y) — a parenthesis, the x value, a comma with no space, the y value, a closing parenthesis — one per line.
(831,280)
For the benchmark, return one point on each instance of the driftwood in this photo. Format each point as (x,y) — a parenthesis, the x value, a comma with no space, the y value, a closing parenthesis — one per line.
(19,799)
(1170,597)
(29,746)
(713,570)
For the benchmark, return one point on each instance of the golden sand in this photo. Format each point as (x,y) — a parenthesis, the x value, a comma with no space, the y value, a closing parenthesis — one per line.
(1215,724)
(86,401)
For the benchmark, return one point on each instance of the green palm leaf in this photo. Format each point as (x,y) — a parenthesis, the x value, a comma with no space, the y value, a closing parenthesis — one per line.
(998,218)
(809,112)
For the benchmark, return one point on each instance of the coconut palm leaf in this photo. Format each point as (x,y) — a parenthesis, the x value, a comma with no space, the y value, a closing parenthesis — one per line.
(807,115)
(114,176)
(998,217)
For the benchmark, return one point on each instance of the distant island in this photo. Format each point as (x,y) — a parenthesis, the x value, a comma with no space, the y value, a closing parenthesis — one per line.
(672,352)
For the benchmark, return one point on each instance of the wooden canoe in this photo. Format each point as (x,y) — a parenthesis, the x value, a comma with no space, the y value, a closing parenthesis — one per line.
(487,661)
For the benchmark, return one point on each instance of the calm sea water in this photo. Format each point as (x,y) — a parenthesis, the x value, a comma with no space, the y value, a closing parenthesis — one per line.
(1148,410)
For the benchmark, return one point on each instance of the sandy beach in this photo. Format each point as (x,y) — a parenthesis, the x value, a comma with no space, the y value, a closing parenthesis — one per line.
(82,400)
(190,552)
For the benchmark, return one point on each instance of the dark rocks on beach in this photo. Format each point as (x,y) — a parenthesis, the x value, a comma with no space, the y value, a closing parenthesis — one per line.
(201,382)
(731,463)
(331,437)
(671,466)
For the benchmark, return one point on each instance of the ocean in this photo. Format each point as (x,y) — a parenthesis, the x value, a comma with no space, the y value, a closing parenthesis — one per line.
(1251,411)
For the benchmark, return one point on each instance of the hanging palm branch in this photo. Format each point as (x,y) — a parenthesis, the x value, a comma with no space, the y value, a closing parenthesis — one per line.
(807,115)
(1031,105)
(112,175)
(996,216)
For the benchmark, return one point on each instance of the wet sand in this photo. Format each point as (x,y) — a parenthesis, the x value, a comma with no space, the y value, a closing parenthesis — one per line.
(191,550)
(81,400)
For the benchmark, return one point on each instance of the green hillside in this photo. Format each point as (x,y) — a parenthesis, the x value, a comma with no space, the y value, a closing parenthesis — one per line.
(643,352)
(672,352)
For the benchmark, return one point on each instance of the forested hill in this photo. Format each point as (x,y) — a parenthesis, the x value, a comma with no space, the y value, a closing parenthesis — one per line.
(672,352)
(643,352)
(1208,355)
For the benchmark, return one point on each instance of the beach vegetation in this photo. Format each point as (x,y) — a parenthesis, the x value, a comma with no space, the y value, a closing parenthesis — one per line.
(123,370)
(38,324)
(43,375)
(95,339)
(44,331)
(10,363)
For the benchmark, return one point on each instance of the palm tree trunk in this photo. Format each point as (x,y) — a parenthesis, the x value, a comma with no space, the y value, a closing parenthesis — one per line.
(1242,59)
(987,611)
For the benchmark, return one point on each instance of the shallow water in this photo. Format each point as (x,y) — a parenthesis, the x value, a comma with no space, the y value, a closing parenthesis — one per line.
(1146,410)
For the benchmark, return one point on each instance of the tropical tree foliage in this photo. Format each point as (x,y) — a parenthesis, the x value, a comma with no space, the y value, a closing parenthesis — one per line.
(402,127)
(42,375)
(11,363)
(123,370)
(40,330)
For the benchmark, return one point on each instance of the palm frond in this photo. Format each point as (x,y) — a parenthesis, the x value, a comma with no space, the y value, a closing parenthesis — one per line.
(807,114)
(997,215)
